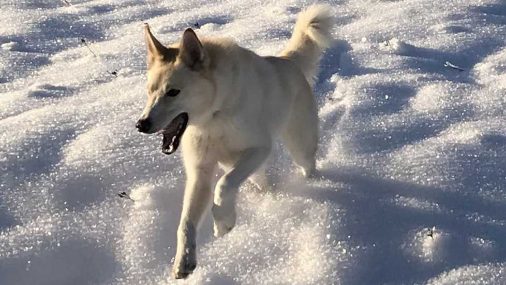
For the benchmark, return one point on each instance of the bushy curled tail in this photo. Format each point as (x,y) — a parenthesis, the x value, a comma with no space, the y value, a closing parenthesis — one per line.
(311,36)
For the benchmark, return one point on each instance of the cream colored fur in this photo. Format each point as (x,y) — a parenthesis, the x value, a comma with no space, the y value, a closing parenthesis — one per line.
(238,103)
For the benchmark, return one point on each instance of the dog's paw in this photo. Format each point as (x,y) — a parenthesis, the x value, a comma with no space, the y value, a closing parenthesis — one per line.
(184,265)
(224,219)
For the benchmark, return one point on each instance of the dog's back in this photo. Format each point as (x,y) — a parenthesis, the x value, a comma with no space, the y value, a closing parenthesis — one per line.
(263,90)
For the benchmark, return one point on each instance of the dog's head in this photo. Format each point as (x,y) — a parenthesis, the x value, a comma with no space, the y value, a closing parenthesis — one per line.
(179,87)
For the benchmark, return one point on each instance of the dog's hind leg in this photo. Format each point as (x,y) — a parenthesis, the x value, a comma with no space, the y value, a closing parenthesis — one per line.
(227,187)
(300,135)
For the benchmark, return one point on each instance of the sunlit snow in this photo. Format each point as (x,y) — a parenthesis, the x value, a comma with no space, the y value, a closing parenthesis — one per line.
(412,160)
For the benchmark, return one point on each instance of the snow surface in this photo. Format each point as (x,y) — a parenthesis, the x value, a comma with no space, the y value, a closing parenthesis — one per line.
(412,186)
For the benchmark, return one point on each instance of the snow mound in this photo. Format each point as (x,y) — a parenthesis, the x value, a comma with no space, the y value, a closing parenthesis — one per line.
(473,275)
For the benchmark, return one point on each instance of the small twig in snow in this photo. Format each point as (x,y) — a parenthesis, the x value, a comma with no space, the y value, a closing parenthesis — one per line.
(430,232)
(451,65)
(125,196)
(83,41)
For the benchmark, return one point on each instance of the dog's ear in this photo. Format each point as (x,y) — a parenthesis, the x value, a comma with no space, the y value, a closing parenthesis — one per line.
(191,50)
(157,51)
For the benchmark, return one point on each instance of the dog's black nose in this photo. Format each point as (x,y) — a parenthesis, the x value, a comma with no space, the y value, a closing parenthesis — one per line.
(143,125)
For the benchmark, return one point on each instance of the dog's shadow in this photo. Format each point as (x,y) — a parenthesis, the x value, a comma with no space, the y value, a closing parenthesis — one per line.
(376,221)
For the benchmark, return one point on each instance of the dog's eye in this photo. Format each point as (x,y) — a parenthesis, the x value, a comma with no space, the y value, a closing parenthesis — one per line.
(172,92)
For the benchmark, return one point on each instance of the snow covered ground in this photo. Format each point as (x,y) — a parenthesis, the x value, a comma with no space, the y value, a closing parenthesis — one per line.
(412,155)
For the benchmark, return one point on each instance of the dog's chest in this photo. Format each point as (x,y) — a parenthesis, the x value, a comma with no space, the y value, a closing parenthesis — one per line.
(224,141)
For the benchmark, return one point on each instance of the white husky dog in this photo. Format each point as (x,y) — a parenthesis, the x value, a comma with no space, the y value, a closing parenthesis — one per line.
(227,105)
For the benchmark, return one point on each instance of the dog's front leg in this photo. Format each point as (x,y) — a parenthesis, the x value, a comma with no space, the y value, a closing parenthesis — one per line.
(226,189)
(197,197)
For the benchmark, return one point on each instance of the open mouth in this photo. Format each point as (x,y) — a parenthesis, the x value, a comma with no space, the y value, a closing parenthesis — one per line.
(173,132)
